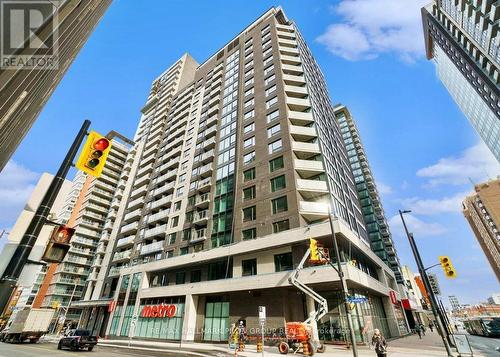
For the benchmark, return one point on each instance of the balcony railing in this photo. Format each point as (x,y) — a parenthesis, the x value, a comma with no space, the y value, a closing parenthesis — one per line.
(160,230)
(122,255)
(153,247)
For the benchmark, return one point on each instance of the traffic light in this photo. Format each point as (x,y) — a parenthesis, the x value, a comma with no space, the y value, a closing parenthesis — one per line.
(449,271)
(58,244)
(313,246)
(94,154)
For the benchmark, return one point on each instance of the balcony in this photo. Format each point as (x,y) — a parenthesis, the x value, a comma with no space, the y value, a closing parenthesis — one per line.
(135,203)
(313,211)
(311,189)
(132,215)
(287,43)
(203,201)
(298,104)
(122,255)
(296,91)
(168,188)
(305,150)
(208,144)
(125,241)
(295,70)
(294,80)
(129,228)
(300,118)
(156,231)
(302,133)
(204,171)
(153,247)
(141,181)
(144,170)
(114,271)
(308,168)
(161,202)
(201,218)
(284,28)
(198,235)
(141,191)
(158,216)
(288,51)
(205,185)
(290,59)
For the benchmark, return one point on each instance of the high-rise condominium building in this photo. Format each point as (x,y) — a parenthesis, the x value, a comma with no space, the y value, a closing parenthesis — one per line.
(24,91)
(463,38)
(93,205)
(482,210)
(373,213)
(236,162)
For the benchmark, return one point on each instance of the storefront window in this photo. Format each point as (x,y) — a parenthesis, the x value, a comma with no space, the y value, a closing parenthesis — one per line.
(165,328)
(216,326)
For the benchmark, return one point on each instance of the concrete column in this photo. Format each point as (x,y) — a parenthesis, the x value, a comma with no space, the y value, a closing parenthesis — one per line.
(391,317)
(311,309)
(189,320)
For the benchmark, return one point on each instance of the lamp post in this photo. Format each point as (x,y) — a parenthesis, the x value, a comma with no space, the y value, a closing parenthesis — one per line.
(425,279)
(345,291)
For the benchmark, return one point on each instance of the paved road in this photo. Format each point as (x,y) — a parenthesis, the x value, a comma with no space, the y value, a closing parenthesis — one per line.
(50,350)
(485,345)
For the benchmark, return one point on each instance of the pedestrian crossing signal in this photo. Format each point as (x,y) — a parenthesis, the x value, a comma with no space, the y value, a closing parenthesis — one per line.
(449,270)
(94,154)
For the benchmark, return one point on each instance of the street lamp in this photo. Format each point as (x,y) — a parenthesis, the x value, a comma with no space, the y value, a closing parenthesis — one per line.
(425,278)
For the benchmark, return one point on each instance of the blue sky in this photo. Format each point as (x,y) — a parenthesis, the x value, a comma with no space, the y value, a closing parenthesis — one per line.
(422,150)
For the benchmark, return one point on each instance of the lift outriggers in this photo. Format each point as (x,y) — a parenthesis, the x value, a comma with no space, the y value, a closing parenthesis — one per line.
(304,335)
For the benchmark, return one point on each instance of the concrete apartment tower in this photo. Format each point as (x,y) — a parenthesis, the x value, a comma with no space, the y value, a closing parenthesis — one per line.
(482,210)
(373,213)
(24,92)
(236,162)
(463,38)
(92,204)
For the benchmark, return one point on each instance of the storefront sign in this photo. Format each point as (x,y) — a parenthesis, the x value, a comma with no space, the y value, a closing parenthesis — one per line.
(111,306)
(357,300)
(392,296)
(162,310)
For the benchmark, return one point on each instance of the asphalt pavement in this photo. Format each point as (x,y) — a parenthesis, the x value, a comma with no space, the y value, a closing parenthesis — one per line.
(485,345)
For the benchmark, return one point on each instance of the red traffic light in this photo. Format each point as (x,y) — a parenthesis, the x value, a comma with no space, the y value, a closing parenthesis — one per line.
(101,144)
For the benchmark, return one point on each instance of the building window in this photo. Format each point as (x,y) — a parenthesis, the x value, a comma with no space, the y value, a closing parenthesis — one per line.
(250,157)
(283,262)
(249,142)
(171,238)
(177,206)
(183,250)
(269,79)
(269,70)
(180,191)
(276,164)
(270,90)
(186,234)
(249,128)
(273,130)
(271,102)
(279,204)
(281,226)
(249,214)
(278,183)
(196,276)
(189,216)
(249,103)
(248,115)
(169,253)
(249,174)
(249,267)
(191,200)
(249,193)
(180,277)
(272,116)
(275,146)
(175,222)
(249,92)
(249,81)
(249,233)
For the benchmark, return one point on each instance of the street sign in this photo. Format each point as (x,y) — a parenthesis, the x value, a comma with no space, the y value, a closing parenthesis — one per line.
(262,315)
(357,300)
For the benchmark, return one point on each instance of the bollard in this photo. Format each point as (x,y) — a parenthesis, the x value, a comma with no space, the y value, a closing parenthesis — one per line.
(305,348)
(241,346)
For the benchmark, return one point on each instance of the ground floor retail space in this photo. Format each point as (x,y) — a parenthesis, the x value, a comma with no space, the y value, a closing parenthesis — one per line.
(208,318)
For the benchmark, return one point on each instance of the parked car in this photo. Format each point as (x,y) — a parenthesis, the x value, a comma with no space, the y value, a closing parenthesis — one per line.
(77,339)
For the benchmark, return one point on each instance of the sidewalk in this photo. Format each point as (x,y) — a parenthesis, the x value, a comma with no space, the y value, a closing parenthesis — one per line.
(411,346)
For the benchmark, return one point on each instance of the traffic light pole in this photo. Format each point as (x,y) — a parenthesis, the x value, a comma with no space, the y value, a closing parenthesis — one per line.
(20,257)
(345,291)
(425,279)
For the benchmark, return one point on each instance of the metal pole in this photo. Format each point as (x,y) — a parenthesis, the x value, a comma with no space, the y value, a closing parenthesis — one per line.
(20,257)
(345,291)
(262,333)
(427,284)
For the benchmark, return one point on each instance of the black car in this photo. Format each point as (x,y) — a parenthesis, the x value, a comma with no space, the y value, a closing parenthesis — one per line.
(77,339)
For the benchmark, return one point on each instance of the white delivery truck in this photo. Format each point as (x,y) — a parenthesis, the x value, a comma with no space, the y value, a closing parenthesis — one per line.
(28,324)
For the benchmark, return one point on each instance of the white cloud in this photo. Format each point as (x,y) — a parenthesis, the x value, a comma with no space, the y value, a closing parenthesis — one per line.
(451,204)
(372,27)
(16,185)
(416,226)
(476,163)
(383,189)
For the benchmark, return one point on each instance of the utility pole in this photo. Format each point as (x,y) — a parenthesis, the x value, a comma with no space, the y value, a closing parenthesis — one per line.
(425,279)
(345,291)
(16,264)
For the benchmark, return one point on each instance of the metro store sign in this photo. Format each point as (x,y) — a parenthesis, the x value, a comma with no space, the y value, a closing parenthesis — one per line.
(162,310)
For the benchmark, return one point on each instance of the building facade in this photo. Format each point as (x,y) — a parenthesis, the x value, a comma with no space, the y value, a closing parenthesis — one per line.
(235,165)
(24,92)
(92,205)
(463,38)
(373,213)
(482,211)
